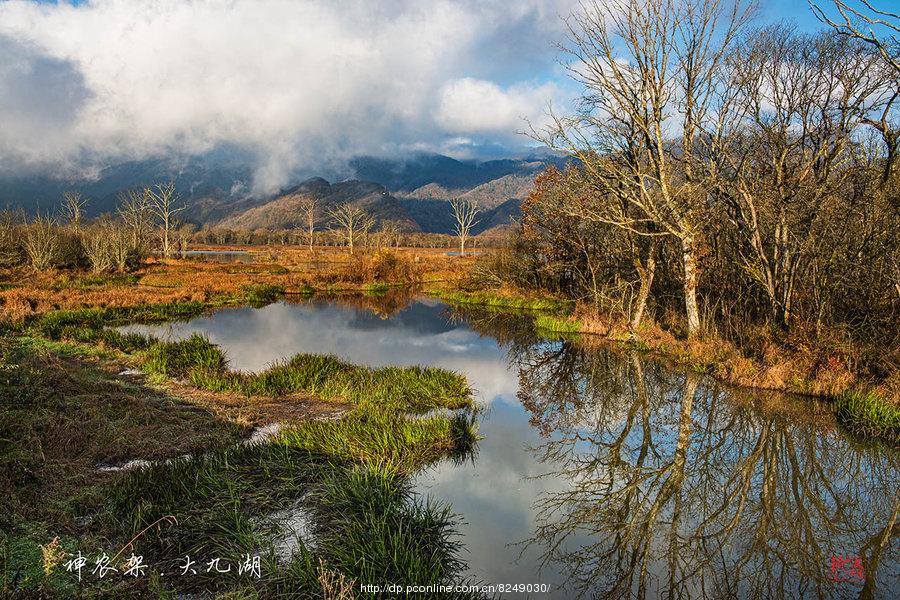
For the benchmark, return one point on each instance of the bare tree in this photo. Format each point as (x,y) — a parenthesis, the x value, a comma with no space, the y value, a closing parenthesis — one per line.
(465,211)
(351,222)
(861,21)
(73,208)
(136,213)
(41,242)
(309,212)
(164,205)
(651,72)
(97,244)
(120,245)
(800,101)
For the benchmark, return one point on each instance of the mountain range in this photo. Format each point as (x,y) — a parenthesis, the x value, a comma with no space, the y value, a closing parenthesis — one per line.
(412,192)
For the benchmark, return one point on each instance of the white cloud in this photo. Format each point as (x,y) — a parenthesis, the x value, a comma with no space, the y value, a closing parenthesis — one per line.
(470,106)
(297,82)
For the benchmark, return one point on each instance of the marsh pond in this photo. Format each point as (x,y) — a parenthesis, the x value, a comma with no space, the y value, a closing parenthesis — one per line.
(602,472)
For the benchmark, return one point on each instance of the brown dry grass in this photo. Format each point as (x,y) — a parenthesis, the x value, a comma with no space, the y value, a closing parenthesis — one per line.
(792,364)
(293,268)
(75,414)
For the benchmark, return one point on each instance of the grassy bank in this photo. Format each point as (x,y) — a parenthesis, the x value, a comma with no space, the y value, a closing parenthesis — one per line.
(493,300)
(387,388)
(349,476)
(868,414)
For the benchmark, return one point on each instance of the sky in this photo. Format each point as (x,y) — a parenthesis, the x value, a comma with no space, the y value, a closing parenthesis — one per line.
(296,83)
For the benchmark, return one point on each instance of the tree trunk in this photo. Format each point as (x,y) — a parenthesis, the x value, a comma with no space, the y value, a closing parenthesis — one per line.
(166,250)
(690,288)
(462,246)
(647,271)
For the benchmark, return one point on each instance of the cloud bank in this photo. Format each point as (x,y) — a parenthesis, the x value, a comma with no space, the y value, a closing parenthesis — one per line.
(298,83)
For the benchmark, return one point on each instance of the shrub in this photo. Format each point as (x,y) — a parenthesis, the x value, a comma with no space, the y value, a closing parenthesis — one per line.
(41,243)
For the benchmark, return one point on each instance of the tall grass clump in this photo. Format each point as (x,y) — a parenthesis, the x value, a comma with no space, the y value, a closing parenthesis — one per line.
(869,414)
(386,388)
(373,529)
(182,358)
(394,441)
(53,324)
(260,294)
(556,324)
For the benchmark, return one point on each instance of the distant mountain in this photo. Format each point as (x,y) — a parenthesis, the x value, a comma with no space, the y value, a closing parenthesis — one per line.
(436,216)
(222,176)
(412,192)
(405,175)
(284,212)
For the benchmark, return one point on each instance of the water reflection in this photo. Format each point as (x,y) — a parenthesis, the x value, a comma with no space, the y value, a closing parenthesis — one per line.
(607,475)
(684,493)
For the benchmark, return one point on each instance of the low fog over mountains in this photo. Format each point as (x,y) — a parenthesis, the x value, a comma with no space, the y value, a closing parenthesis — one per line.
(413,193)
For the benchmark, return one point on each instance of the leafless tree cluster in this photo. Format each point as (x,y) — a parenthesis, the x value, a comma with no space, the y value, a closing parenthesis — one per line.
(109,242)
(351,223)
(725,167)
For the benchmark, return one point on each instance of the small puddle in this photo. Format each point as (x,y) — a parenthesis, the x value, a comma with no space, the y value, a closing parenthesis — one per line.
(296,526)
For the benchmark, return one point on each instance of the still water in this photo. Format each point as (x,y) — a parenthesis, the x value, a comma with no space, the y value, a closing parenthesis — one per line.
(605,474)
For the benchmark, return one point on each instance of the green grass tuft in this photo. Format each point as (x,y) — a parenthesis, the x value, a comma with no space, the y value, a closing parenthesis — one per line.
(488,300)
(182,358)
(54,324)
(376,289)
(556,324)
(394,441)
(868,414)
(260,294)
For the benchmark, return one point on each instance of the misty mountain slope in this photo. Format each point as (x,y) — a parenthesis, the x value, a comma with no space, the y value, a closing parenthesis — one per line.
(284,212)
(215,187)
(409,174)
(487,195)
(215,181)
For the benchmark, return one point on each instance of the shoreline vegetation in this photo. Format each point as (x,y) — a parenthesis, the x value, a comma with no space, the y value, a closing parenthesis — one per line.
(863,408)
(867,408)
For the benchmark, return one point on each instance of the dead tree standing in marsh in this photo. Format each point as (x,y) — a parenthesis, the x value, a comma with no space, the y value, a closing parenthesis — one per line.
(73,208)
(351,222)
(465,212)
(164,204)
(309,213)
(135,211)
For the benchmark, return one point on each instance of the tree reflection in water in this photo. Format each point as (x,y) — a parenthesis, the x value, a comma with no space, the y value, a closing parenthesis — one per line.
(678,490)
